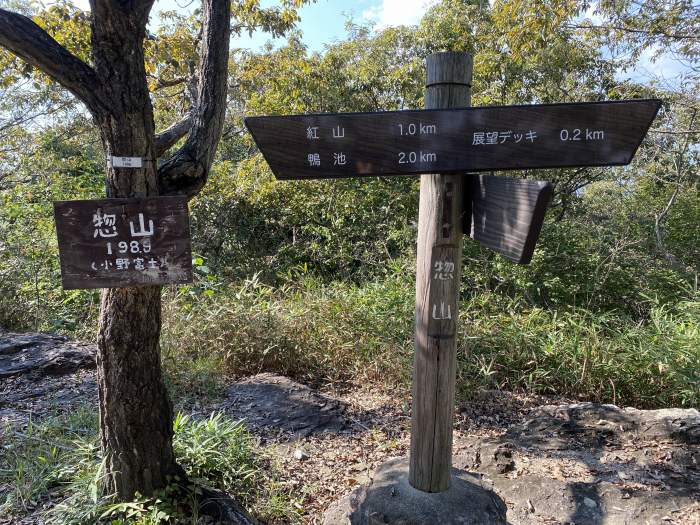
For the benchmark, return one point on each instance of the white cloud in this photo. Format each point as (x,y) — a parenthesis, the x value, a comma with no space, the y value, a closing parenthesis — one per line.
(663,69)
(398,12)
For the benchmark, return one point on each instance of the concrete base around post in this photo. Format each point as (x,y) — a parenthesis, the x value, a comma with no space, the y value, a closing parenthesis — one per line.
(390,500)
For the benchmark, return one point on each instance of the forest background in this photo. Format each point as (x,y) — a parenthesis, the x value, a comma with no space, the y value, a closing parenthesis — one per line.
(315,279)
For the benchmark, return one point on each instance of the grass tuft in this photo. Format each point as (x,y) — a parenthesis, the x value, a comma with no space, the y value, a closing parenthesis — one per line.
(53,470)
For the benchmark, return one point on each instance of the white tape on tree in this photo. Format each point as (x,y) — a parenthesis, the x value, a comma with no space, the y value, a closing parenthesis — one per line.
(126,162)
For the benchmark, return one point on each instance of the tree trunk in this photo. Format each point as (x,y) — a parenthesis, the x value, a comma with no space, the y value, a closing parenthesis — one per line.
(135,412)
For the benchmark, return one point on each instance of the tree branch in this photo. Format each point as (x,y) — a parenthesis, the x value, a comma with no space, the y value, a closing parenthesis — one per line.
(169,136)
(661,216)
(649,32)
(27,40)
(187,170)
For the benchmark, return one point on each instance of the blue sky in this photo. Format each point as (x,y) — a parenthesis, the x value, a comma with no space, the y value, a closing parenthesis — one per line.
(323,22)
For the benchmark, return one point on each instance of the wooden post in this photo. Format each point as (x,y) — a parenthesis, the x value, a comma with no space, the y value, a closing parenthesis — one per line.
(448,83)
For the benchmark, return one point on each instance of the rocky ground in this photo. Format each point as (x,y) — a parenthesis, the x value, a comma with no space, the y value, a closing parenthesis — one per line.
(549,460)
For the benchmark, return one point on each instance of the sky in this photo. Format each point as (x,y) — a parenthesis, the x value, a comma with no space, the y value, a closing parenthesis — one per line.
(323,22)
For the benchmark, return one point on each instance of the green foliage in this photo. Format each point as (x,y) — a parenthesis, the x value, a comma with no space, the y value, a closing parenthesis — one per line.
(59,458)
(30,292)
(575,352)
(634,26)
(245,223)
(215,448)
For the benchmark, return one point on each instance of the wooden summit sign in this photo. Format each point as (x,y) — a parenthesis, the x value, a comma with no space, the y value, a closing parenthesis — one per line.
(115,243)
(453,140)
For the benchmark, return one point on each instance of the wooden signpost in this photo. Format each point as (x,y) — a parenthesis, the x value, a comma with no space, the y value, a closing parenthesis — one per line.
(443,143)
(116,243)
(453,140)
(505,214)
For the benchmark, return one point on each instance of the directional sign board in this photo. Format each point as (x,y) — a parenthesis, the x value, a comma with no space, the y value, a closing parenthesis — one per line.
(113,243)
(454,140)
(505,214)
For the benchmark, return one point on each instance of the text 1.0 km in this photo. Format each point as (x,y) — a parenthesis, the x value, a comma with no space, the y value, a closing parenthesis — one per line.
(421,128)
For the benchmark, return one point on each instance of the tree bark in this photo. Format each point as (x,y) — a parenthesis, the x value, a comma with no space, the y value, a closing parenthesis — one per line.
(185,173)
(135,412)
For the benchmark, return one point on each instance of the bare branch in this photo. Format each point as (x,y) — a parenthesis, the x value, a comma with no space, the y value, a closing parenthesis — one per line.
(650,32)
(661,216)
(27,40)
(169,136)
(187,170)
(688,132)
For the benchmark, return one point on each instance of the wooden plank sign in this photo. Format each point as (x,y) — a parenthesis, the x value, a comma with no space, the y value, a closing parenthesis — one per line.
(115,243)
(453,140)
(505,214)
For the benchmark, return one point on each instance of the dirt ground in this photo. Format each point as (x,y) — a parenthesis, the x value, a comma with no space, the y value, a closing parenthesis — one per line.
(552,461)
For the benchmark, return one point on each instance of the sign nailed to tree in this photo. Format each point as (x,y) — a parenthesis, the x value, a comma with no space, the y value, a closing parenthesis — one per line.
(114,243)
(453,140)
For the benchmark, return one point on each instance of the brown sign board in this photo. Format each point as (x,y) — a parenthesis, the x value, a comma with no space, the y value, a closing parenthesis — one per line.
(505,214)
(442,316)
(116,243)
(453,140)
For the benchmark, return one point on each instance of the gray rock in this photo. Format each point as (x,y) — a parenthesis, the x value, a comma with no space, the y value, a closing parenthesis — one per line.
(276,402)
(588,502)
(390,500)
(629,466)
(42,354)
(222,509)
(592,422)
(300,455)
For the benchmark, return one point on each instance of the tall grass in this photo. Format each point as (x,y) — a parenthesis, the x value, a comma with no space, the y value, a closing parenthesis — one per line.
(309,331)
(575,352)
(345,332)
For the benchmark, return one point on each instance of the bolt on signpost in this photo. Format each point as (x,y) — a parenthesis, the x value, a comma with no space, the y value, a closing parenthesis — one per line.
(442,143)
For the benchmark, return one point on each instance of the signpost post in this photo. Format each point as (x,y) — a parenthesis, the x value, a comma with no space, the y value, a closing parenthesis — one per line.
(438,270)
(442,143)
